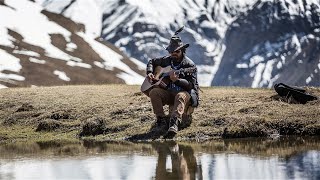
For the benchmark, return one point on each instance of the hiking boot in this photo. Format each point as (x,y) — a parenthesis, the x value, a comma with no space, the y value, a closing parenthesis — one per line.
(173,127)
(161,121)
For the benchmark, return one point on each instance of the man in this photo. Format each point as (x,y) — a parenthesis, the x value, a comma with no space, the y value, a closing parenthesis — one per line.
(181,91)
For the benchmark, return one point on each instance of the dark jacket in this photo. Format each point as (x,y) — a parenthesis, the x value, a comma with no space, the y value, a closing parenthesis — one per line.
(188,72)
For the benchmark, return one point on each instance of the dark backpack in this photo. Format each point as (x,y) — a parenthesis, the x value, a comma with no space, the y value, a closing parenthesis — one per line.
(298,94)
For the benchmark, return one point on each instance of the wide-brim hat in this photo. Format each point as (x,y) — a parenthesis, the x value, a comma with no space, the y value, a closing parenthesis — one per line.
(176,44)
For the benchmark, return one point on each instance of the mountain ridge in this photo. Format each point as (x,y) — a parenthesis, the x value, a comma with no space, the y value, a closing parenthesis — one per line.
(217,30)
(234,43)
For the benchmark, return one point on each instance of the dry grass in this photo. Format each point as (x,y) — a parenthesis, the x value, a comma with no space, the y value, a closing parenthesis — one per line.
(62,111)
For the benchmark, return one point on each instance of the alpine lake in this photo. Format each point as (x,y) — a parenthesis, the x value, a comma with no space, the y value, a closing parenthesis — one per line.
(250,158)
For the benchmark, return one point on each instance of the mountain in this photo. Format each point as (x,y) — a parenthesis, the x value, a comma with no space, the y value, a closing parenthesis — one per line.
(251,43)
(42,48)
(274,41)
(142,28)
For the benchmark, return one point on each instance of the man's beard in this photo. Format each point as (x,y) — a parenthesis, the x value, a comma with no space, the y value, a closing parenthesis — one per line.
(174,58)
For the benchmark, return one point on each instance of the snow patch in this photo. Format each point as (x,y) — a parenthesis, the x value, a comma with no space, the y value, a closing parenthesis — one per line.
(12,77)
(140,65)
(4,40)
(267,74)
(242,66)
(99,64)
(34,60)
(255,60)
(258,74)
(144,34)
(71,47)
(279,65)
(205,75)
(62,75)
(9,62)
(88,13)
(308,80)
(123,41)
(3,86)
(28,53)
(79,64)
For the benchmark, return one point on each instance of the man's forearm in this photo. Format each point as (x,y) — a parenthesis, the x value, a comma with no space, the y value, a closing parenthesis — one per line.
(184,84)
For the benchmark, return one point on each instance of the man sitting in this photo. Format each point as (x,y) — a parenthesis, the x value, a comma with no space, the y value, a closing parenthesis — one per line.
(182,89)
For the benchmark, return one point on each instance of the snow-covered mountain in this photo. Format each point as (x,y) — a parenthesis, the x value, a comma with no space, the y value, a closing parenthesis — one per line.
(274,41)
(142,28)
(252,43)
(38,47)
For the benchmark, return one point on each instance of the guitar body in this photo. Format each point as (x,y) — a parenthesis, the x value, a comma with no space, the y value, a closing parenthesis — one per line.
(161,79)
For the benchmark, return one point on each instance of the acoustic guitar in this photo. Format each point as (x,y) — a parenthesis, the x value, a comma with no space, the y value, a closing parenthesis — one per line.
(162,78)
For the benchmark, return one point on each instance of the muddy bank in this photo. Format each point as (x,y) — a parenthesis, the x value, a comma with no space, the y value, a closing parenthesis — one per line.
(121,112)
(284,147)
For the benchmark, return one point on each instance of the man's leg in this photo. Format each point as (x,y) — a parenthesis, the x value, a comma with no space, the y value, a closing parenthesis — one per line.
(181,101)
(159,97)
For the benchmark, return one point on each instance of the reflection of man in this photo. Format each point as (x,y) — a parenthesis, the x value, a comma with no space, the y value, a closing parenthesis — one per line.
(182,89)
(183,161)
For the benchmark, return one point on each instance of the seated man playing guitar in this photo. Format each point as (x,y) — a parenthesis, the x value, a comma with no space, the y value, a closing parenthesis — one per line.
(178,87)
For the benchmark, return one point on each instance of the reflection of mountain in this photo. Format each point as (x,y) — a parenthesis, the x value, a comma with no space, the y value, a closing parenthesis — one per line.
(304,165)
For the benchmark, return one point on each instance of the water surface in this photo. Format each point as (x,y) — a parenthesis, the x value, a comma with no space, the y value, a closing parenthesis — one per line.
(282,158)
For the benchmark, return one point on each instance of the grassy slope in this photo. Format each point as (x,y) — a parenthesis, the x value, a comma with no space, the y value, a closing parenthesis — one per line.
(224,112)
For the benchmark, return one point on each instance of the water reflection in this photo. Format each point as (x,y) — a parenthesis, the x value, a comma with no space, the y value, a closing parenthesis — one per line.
(176,162)
(305,164)
(297,158)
